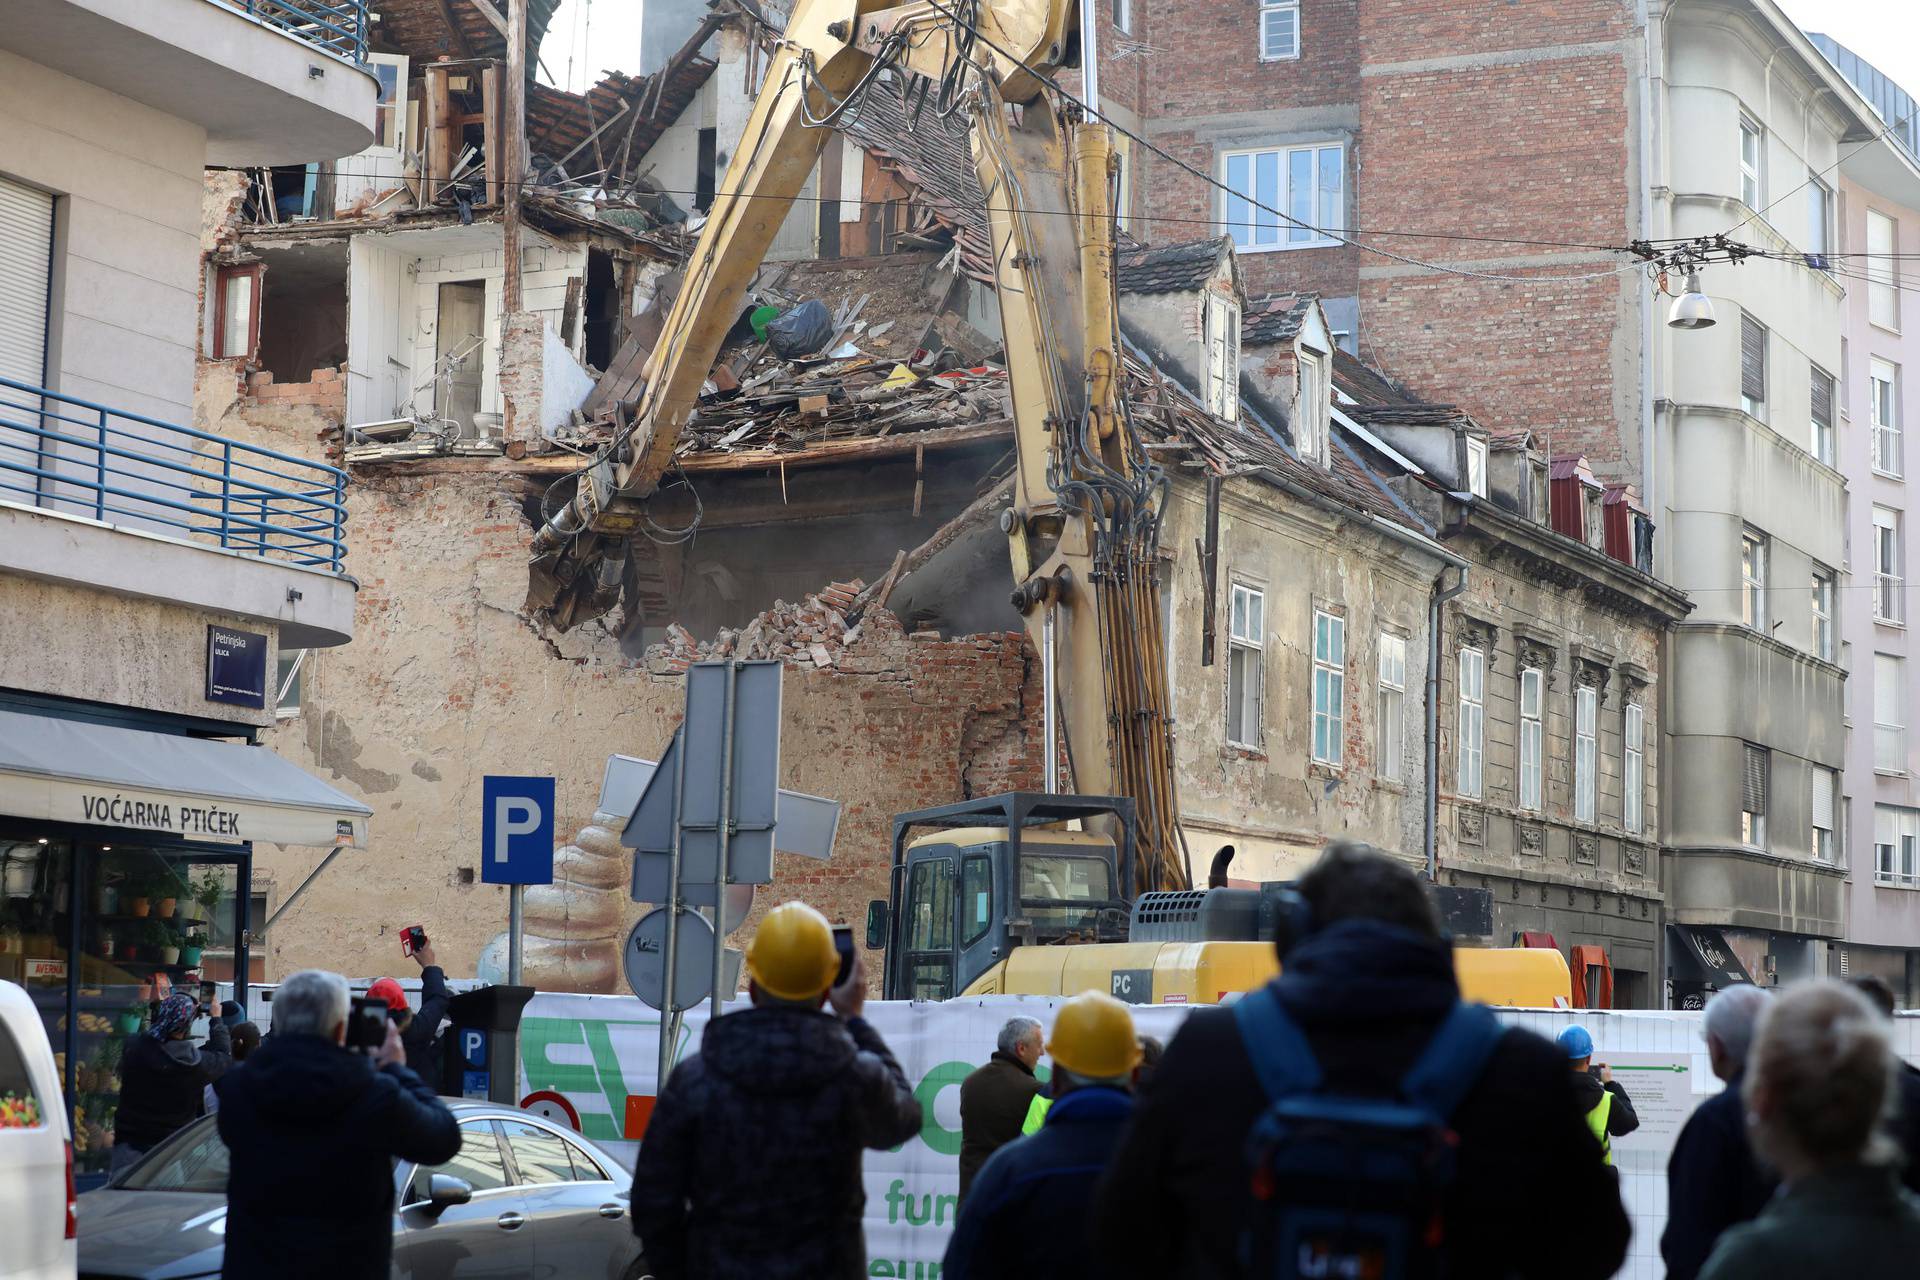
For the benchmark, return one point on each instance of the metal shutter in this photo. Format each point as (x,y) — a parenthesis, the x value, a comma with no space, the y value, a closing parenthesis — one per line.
(26,265)
(1756,780)
(1822,398)
(1823,798)
(1753,359)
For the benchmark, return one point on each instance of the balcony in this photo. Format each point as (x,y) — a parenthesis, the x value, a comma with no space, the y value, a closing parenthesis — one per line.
(270,81)
(215,523)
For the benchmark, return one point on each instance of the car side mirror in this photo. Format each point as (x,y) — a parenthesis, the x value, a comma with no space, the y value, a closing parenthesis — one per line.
(444,1191)
(877,922)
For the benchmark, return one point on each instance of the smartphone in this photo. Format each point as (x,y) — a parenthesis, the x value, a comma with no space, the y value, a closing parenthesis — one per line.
(366,1024)
(843,943)
(209,994)
(412,938)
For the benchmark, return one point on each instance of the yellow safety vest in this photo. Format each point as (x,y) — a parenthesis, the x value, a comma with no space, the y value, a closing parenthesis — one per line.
(1597,1121)
(1036,1114)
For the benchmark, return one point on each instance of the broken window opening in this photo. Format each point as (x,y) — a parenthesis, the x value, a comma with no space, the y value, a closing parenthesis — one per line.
(704,184)
(602,309)
(302,322)
(459,336)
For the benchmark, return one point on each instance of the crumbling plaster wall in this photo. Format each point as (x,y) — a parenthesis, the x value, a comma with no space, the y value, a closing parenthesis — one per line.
(1270,800)
(447,681)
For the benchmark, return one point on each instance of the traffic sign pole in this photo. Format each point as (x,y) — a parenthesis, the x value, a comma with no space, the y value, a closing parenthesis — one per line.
(725,833)
(669,1016)
(516,896)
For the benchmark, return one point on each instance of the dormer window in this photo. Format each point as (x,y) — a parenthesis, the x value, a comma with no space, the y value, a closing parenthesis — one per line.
(1476,466)
(1312,405)
(1222,321)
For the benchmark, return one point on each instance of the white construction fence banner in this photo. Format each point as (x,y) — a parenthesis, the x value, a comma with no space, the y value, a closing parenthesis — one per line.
(583,1057)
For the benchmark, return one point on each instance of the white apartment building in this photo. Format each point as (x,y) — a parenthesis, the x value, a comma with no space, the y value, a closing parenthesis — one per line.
(155,581)
(1879,218)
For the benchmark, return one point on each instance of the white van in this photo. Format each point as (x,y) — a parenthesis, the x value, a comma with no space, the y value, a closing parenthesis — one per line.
(36,1149)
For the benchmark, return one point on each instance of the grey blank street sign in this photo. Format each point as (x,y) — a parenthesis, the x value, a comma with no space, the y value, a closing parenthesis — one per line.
(644,959)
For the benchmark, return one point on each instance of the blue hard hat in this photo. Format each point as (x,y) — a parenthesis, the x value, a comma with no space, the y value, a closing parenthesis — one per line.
(1576,1042)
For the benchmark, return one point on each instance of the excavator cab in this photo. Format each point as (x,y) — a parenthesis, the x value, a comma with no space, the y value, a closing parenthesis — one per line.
(972,881)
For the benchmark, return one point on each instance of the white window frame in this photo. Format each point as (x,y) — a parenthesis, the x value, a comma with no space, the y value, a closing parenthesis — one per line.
(1820,434)
(1222,320)
(1896,846)
(1391,706)
(1313,402)
(1819,217)
(1246,628)
(1883,411)
(1889,714)
(1823,840)
(1470,753)
(290,682)
(1586,753)
(1533,739)
(1753,168)
(1753,825)
(1633,766)
(1753,579)
(1329,688)
(1476,466)
(1822,610)
(390,141)
(1889,582)
(1256,231)
(1275,16)
(1123,15)
(1883,287)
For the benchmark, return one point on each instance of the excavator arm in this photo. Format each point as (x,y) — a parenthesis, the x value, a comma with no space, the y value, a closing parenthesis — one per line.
(1083,531)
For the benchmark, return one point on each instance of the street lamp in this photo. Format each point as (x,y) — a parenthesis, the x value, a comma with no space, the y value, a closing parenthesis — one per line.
(1692,309)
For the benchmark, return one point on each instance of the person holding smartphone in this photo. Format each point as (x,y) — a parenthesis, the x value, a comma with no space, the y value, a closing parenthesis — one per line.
(1603,1100)
(750,1164)
(313,1122)
(419,1031)
(162,1077)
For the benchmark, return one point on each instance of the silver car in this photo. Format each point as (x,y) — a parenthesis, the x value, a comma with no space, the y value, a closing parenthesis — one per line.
(523,1198)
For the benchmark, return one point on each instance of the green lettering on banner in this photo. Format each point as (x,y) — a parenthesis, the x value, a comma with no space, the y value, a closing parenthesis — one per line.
(948,1075)
(602,1076)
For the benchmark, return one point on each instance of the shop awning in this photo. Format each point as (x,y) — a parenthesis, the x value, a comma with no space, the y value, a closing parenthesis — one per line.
(1699,953)
(99,775)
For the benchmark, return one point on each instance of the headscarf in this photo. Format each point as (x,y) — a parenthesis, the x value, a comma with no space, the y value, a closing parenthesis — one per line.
(175,1012)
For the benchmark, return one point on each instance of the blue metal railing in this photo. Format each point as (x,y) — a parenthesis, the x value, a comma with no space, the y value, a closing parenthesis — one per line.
(66,454)
(336,25)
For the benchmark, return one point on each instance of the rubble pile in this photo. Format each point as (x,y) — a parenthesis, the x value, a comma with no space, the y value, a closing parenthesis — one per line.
(813,632)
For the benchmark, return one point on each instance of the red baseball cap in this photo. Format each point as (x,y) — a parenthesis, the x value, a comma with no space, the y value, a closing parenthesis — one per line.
(389,990)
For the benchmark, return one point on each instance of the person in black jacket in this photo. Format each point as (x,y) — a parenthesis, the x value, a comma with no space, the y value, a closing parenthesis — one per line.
(1714,1180)
(1030,1206)
(163,1078)
(1603,1100)
(312,1130)
(1369,986)
(419,1032)
(750,1165)
(1904,1127)
(994,1099)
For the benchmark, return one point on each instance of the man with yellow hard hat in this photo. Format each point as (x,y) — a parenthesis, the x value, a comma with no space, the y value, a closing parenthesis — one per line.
(750,1165)
(1028,1209)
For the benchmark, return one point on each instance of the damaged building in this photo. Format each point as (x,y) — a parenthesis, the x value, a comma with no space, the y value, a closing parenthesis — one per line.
(835,505)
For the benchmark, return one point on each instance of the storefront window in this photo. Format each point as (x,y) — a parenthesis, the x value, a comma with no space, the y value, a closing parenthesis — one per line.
(151,920)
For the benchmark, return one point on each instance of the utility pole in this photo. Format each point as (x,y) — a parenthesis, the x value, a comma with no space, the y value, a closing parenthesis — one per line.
(513,151)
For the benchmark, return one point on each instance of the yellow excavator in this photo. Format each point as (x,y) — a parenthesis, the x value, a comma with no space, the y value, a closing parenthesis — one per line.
(990,900)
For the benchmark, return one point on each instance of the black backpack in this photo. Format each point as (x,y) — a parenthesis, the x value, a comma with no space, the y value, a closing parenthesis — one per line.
(1347,1187)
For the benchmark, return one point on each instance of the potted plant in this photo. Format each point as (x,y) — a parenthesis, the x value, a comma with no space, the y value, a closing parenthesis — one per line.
(129,949)
(103,945)
(169,888)
(207,892)
(128,1020)
(106,896)
(135,898)
(163,942)
(190,950)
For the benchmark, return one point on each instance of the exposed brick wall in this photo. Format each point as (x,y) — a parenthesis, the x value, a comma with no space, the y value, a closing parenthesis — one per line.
(1206,58)
(1535,150)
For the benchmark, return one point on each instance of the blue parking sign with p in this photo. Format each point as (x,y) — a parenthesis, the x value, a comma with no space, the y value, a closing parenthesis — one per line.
(516,830)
